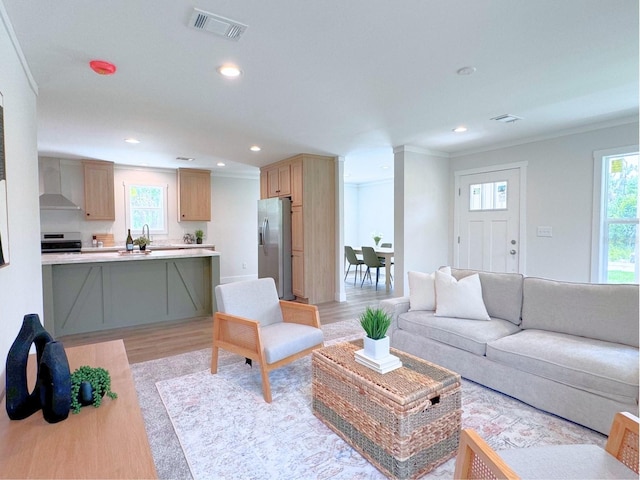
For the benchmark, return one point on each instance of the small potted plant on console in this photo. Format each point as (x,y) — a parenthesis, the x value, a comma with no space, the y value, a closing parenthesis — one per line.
(88,386)
(199,236)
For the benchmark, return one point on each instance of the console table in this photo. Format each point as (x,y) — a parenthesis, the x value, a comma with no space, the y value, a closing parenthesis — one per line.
(105,442)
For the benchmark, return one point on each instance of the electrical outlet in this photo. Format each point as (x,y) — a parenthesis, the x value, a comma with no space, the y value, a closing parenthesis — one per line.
(244,265)
(545,232)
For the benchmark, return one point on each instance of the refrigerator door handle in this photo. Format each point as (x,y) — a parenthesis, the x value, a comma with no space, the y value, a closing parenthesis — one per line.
(263,234)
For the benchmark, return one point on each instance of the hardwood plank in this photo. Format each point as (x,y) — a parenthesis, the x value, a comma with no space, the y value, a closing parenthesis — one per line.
(159,340)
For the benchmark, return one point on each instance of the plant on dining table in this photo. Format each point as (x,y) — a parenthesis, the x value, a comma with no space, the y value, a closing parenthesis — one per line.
(376,237)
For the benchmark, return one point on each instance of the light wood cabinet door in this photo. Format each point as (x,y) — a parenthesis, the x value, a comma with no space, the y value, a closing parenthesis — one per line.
(264,185)
(297,274)
(296,183)
(99,201)
(279,181)
(194,195)
(297,229)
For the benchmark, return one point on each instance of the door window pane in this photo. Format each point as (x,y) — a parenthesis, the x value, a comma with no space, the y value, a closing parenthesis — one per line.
(488,196)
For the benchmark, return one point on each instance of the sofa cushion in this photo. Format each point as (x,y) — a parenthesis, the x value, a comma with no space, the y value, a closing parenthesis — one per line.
(605,368)
(422,289)
(460,299)
(469,335)
(599,311)
(501,293)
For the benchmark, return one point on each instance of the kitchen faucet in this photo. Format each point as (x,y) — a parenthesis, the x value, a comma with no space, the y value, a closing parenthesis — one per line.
(147,235)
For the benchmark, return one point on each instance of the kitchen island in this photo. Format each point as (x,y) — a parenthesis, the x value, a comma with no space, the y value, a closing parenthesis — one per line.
(89,292)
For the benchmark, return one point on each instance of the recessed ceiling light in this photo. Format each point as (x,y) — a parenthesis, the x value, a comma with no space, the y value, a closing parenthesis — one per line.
(466,71)
(220,164)
(185,159)
(460,129)
(230,71)
(132,140)
(255,148)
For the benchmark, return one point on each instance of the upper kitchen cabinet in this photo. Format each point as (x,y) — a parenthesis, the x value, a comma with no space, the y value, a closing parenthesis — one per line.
(194,195)
(99,201)
(278,181)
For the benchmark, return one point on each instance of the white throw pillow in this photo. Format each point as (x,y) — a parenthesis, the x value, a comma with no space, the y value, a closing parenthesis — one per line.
(422,290)
(460,298)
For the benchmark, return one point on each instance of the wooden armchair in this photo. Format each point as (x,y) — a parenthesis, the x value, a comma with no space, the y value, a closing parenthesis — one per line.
(253,322)
(477,460)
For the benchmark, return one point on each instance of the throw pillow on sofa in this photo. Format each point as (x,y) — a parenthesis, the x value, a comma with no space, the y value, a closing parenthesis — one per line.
(422,289)
(459,298)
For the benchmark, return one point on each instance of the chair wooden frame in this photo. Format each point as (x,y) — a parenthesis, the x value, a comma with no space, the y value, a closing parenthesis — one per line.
(476,459)
(241,335)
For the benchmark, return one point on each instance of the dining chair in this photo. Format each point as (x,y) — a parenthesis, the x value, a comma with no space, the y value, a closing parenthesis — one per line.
(371,260)
(618,460)
(253,322)
(353,259)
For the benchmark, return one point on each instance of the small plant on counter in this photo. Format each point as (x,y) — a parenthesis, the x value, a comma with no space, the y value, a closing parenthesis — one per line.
(375,323)
(199,235)
(142,242)
(99,384)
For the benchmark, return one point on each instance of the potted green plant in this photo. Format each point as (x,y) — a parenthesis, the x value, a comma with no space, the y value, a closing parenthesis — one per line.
(375,323)
(199,235)
(376,237)
(142,242)
(88,386)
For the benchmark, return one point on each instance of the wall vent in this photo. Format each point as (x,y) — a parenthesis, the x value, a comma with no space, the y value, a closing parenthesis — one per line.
(209,22)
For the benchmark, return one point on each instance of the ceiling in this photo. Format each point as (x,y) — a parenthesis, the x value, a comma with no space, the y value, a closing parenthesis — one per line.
(352,78)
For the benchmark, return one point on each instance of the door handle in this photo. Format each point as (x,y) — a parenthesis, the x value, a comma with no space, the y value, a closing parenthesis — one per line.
(265,226)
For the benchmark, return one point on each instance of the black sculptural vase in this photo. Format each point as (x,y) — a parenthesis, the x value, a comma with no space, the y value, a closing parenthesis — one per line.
(20,403)
(54,378)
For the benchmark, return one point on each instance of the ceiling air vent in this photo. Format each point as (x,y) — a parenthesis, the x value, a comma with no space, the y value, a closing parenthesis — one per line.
(506,118)
(208,22)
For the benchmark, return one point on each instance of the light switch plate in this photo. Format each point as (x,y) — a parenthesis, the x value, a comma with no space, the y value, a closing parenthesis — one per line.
(545,232)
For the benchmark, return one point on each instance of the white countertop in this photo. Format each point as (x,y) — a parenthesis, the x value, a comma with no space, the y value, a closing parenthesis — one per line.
(117,256)
(153,246)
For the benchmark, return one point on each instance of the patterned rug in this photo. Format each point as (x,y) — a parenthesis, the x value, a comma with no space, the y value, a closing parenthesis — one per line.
(218,426)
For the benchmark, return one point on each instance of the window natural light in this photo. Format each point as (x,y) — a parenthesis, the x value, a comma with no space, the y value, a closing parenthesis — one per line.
(617,240)
(147,205)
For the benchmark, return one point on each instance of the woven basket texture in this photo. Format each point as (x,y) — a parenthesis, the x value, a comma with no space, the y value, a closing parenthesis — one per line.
(405,422)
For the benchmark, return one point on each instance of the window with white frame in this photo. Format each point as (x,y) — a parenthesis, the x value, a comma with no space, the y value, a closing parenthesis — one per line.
(616,216)
(147,205)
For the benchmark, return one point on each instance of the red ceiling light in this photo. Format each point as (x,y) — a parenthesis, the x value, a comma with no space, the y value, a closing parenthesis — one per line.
(102,68)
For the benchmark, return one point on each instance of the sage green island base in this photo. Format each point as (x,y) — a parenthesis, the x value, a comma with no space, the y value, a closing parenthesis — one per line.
(92,292)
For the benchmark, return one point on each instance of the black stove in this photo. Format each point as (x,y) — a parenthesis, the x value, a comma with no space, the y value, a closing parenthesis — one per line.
(63,242)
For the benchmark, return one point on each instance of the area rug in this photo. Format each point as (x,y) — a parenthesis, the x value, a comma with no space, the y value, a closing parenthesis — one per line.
(226,430)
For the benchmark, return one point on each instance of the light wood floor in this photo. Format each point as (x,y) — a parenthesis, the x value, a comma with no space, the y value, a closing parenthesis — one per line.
(172,338)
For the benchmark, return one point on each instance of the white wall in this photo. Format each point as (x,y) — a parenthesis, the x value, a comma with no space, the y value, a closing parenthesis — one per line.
(368,209)
(21,280)
(422,213)
(559,194)
(234,219)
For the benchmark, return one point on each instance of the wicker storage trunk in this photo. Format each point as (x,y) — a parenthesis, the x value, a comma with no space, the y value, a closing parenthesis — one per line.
(405,422)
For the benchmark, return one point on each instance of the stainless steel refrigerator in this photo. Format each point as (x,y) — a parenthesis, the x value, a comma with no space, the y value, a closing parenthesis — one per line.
(274,243)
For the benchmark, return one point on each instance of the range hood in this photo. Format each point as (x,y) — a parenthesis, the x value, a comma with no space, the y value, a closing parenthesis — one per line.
(56,201)
(51,184)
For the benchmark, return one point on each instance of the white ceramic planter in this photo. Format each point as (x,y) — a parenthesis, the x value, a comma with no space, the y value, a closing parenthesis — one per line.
(376,349)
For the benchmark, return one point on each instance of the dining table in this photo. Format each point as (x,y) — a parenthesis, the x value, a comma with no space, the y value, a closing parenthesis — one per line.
(387,254)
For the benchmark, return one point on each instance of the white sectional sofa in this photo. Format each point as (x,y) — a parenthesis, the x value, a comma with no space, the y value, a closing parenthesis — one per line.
(567,348)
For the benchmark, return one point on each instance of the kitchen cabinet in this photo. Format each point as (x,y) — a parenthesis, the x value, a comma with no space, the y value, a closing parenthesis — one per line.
(313,230)
(278,181)
(194,195)
(99,201)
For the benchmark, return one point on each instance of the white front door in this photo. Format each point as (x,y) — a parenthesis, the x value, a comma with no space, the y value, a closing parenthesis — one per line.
(488,221)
